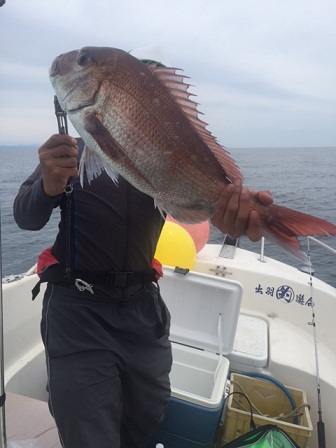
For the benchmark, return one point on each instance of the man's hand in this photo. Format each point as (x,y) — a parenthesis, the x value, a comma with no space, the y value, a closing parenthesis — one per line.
(234,215)
(58,159)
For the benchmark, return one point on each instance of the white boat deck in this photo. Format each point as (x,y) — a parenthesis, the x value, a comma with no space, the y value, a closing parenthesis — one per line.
(29,420)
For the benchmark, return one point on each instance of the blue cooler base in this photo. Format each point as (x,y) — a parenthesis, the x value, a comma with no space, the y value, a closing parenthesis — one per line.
(188,425)
(169,440)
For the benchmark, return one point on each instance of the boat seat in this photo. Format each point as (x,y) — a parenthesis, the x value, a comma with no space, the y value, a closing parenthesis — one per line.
(250,349)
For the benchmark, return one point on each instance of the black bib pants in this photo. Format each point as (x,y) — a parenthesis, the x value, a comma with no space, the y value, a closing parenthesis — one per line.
(108,365)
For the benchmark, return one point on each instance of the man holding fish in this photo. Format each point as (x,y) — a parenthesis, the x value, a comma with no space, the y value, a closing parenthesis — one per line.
(104,324)
(95,397)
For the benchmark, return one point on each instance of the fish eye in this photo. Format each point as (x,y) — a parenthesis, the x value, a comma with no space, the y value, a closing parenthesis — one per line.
(84,57)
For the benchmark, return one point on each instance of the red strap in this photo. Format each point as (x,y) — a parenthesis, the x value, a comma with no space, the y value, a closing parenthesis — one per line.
(45,260)
(157,266)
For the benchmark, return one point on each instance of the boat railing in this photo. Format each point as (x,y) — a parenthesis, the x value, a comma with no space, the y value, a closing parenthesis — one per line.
(330,249)
(306,269)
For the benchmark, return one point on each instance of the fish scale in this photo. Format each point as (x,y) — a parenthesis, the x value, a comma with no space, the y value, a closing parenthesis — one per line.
(146,127)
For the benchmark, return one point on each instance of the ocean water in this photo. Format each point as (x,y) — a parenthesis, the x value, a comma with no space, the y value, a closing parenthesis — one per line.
(299,178)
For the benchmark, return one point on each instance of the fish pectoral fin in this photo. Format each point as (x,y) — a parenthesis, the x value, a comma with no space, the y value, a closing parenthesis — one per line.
(93,166)
(94,126)
(110,147)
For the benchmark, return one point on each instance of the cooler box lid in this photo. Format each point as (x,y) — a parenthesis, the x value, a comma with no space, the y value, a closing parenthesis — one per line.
(204,309)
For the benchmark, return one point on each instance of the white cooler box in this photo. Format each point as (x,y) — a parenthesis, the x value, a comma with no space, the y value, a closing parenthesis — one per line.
(204,314)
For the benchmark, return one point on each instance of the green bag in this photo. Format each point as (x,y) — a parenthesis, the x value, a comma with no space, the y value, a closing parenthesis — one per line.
(266,436)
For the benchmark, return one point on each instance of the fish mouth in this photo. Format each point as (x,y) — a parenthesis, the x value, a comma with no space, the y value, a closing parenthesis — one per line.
(55,68)
(63,64)
(67,81)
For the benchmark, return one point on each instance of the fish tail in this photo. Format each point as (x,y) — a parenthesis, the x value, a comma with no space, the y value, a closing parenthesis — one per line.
(283,225)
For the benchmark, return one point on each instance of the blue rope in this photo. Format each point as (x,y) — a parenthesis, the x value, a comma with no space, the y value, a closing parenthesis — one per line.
(280,385)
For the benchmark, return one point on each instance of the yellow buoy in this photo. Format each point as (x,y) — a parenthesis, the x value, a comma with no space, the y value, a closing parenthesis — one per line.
(176,247)
(199,232)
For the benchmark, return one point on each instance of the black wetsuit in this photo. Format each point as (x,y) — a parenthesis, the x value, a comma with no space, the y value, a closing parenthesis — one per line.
(108,353)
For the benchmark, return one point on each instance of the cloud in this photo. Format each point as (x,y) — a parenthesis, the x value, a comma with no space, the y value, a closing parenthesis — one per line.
(258,66)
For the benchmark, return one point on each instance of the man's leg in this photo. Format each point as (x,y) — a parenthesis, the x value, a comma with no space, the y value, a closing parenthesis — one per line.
(83,370)
(145,381)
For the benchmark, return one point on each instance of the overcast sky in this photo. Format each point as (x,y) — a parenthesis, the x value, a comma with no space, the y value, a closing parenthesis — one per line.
(264,70)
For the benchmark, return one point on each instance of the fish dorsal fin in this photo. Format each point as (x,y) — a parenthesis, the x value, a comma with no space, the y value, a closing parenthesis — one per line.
(179,90)
(93,166)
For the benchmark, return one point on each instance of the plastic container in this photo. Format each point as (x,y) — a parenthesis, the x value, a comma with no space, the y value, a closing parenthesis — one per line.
(204,315)
(198,381)
(270,400)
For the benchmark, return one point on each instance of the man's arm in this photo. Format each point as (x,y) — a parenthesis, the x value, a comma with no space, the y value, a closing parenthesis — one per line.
(41,192)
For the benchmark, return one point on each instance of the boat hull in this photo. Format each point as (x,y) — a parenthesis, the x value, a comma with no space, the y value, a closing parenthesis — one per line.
(276,294)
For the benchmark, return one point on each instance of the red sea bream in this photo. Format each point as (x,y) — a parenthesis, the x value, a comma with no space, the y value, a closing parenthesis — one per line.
(138,119)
